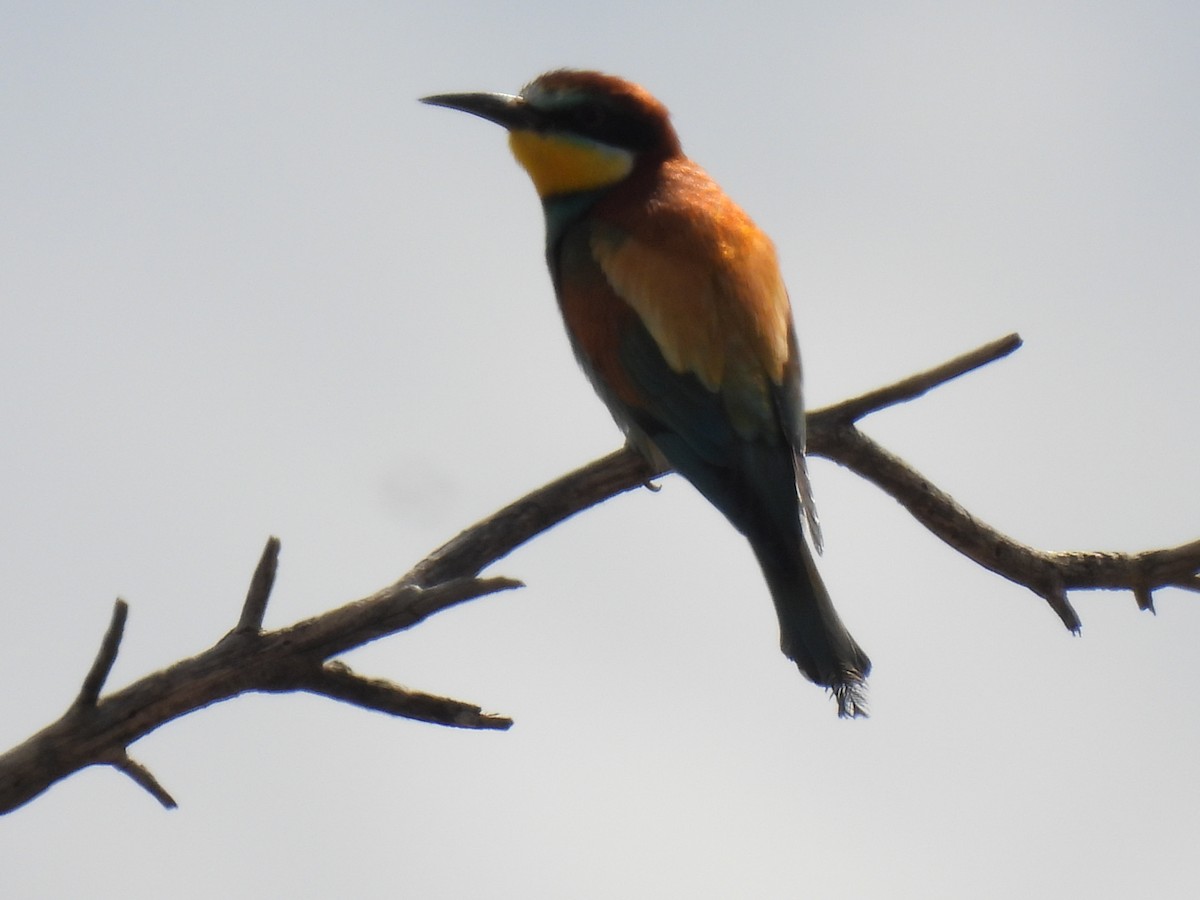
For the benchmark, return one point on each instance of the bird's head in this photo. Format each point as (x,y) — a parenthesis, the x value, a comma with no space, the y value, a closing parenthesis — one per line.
(576,131)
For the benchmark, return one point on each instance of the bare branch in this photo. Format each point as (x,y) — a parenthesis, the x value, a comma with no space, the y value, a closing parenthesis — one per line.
(97,730)
(93,682)
(255,607)
(850,411)
(395,608)
(502,532)
(942,515)
(1050,575)
(336,680)
(288,659)
(143,778)
(1141,573)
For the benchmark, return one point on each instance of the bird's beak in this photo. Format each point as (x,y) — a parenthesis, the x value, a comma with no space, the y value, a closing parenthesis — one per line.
(509,110)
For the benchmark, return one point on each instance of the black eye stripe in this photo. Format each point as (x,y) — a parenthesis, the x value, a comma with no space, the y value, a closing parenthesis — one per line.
(621,128)
(591,116)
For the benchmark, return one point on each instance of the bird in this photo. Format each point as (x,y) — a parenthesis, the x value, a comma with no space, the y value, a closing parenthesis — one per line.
(676,310)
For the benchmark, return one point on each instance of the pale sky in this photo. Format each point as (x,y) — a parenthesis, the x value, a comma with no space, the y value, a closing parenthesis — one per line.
(249,286)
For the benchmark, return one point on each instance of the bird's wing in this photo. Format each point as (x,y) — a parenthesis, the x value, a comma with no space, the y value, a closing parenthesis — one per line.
(705,282)
(705,285)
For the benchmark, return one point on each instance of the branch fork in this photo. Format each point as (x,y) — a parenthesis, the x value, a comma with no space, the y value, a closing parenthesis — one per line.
(97,730)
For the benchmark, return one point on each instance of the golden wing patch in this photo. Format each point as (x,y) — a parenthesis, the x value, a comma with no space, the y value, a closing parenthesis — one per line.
(709,291)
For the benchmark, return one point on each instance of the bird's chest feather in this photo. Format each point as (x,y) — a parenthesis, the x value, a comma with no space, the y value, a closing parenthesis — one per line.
(596,319)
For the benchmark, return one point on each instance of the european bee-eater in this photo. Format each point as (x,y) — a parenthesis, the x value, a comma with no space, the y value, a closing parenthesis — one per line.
(676,310)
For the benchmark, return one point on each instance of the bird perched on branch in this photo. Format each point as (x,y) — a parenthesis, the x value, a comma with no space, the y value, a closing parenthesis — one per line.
(676,310)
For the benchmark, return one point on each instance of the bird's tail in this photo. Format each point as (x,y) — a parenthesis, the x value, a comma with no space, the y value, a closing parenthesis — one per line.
(810,632)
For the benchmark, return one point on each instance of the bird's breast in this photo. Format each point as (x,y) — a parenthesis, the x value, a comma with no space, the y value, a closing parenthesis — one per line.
(595,317)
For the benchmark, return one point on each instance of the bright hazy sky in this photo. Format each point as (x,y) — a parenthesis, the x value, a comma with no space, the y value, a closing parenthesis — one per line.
(249,286)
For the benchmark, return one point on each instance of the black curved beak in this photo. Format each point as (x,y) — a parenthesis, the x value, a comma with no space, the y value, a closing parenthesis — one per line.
(509,110)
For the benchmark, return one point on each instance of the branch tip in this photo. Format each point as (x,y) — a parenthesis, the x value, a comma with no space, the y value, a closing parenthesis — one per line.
(93,682)
(259,592)
(144,778)
(338,681)
(1145,598)
(1067,613)
(850,411)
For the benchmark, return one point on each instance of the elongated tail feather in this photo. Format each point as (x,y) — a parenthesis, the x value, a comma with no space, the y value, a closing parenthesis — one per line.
(758,481)
(757,494)
(811,633)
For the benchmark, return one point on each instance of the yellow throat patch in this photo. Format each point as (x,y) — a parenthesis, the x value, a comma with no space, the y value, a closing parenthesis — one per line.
(559,164)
